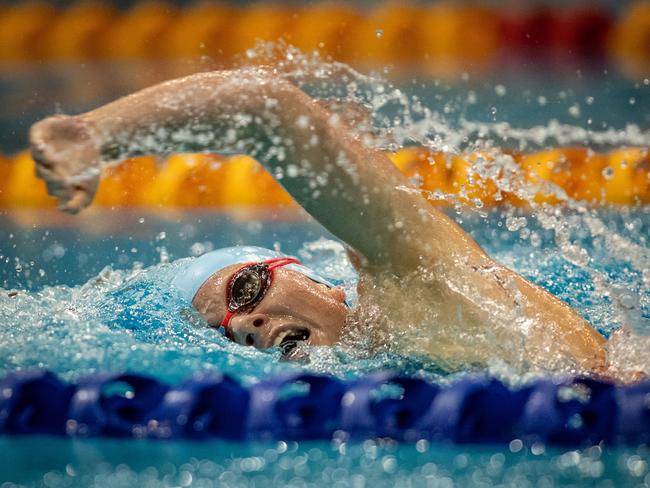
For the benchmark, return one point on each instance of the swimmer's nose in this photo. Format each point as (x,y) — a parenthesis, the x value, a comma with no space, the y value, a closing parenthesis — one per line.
(250,329)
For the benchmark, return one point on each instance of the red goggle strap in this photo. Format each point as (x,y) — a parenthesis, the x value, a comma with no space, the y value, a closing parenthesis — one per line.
(271,264)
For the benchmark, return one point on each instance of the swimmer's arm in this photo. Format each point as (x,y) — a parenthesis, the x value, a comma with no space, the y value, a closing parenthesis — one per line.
(354,191)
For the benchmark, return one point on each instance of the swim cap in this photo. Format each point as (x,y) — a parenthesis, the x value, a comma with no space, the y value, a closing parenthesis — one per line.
(190,278)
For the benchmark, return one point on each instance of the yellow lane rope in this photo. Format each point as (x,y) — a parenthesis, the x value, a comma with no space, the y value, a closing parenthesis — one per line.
(618,177)
(442,37)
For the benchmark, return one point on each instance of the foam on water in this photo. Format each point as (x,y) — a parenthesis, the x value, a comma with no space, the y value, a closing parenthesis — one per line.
(129,319)
(597,249)
(595,261)
(126,318)
(132,320)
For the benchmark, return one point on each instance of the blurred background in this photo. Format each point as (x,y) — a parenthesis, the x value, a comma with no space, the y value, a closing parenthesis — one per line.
(584,63)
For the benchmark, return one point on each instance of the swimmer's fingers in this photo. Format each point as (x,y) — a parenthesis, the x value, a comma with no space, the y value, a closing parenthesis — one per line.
(76,199)
(67,159)
(72,198)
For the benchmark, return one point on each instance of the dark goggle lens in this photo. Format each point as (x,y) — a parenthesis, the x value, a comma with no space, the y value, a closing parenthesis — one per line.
(247,287)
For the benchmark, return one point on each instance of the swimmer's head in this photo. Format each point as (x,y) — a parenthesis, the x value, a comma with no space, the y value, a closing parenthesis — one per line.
(295,304)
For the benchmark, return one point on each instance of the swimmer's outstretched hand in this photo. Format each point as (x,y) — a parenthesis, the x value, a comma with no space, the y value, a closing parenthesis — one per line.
(68,159)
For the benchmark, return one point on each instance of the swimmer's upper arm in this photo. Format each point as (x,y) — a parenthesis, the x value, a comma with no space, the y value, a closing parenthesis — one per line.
(354,191)
(351,189)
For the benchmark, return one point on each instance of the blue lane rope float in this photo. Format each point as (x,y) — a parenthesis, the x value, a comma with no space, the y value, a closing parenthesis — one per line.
(567,411)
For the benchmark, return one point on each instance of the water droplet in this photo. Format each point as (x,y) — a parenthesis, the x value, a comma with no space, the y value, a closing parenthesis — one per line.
(535,239)
(513,224)
(422,445)
(516,445)
(576,391)
(537,448)
(302,121)
(576,421)
(379,33)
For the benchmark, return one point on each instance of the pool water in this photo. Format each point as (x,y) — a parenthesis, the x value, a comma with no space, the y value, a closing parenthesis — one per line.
(92,298)
(52,463)
(89,294)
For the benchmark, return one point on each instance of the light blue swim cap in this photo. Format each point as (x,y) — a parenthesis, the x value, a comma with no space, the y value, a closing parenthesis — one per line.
(191,277)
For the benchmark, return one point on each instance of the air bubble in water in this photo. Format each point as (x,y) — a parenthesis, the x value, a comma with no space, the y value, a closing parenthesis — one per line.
(379,33)
(535,239)
(513,224)
(608,172)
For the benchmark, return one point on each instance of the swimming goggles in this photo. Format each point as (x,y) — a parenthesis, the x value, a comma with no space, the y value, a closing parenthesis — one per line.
(248,285)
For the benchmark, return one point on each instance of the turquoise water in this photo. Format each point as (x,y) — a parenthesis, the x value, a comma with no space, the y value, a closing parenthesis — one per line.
(53,463)
(88,294)
(92,297)
(96,298)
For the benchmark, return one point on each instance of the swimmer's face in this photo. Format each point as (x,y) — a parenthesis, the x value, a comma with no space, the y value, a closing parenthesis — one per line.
(294,308)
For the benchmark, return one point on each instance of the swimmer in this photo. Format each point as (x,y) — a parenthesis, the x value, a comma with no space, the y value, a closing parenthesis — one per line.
(425,287)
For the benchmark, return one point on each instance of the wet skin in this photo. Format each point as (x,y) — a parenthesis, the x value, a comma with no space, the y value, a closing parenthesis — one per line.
(400,243)
(292,302)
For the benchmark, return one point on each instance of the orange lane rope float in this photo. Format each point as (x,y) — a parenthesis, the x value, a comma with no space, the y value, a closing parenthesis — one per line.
(480,179)
(438,38)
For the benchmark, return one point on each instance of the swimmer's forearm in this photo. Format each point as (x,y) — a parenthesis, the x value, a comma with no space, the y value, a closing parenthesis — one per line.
(180,115)
(204,112)
(348,187)
(352,190)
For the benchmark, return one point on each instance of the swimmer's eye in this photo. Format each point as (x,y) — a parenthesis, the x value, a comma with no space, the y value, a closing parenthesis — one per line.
(248,287)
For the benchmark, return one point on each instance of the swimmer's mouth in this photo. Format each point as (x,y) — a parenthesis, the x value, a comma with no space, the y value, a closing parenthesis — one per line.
(288,340)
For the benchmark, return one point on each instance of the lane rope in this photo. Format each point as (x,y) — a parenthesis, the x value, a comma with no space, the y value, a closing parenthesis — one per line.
(560,411)
(618,177)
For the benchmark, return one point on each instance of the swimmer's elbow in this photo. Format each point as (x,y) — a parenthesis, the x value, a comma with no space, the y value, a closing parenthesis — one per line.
(251,83)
